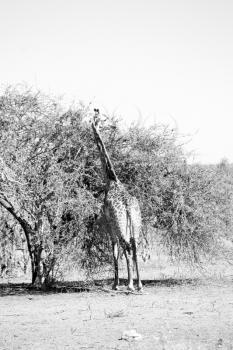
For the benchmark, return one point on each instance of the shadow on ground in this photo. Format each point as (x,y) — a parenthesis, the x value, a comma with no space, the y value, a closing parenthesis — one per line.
(80,286)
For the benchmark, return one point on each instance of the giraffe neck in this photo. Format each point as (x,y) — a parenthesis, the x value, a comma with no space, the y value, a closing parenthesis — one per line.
(107,166)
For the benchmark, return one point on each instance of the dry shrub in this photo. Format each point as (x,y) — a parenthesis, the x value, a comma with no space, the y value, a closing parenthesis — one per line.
(96,246)
(189,219)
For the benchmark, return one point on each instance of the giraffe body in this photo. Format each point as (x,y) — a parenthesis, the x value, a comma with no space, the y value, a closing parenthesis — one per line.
(123,216)
(122,212)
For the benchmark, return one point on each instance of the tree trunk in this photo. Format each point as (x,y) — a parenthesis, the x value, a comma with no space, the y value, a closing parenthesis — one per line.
(48,269)
(36,262)
(42,267)
(40,271)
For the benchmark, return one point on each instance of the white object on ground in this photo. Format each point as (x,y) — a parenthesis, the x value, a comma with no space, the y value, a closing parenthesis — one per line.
(130,335)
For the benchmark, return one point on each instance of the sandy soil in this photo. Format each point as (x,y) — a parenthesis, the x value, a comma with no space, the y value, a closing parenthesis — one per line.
(197,315)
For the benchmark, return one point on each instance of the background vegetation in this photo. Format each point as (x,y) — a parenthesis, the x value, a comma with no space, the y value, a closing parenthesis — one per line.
(51,189)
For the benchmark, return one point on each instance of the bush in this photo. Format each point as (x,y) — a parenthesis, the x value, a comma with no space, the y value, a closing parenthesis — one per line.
(52,185)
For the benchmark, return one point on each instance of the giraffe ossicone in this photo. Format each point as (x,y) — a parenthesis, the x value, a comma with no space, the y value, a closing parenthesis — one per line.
(122,213)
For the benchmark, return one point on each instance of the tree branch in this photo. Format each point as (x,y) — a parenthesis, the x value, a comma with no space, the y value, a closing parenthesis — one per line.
(23,223)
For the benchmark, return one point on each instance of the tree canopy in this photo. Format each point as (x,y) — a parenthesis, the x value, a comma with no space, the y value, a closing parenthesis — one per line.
(51,184)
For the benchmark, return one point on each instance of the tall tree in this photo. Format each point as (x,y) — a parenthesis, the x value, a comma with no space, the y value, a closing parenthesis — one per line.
(42,166)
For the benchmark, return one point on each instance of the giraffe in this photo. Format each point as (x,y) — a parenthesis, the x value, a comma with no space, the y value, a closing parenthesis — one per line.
(122,213)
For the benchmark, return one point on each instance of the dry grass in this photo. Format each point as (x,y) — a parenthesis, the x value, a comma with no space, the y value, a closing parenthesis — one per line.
(183,316)
(174,312)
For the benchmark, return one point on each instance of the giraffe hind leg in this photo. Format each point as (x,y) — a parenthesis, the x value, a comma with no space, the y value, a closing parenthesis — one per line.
(116,270)
(135,259)
(129,261)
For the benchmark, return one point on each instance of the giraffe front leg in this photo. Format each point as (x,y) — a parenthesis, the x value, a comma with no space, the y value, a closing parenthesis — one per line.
(116,271)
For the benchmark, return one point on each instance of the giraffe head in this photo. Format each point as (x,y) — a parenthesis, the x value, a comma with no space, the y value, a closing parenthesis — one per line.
(96,119)
(99,120)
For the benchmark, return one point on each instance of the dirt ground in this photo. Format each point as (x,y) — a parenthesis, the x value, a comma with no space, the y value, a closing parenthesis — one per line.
(194,314)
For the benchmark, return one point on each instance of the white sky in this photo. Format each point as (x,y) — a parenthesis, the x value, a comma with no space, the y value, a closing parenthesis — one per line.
(169,59)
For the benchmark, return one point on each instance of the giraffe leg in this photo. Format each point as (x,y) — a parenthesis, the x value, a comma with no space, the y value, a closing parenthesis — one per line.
(135,258)
(129,261)
(115,257)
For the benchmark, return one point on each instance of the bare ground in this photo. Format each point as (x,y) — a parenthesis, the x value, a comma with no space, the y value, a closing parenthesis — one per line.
(171,314)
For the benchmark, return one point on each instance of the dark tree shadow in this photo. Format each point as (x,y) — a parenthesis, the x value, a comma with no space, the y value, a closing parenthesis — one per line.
(7,289)
(167,282)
